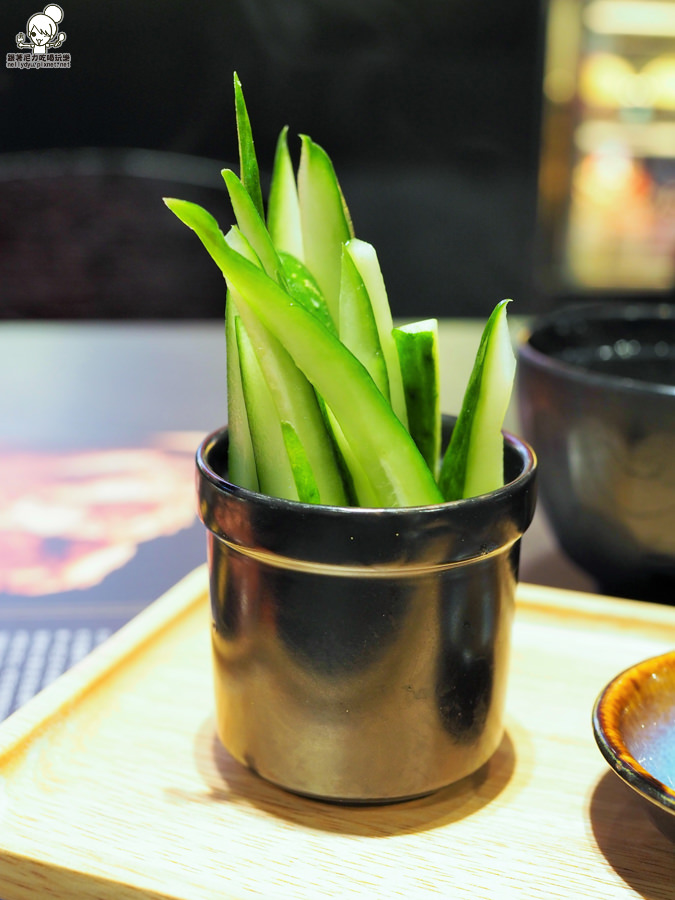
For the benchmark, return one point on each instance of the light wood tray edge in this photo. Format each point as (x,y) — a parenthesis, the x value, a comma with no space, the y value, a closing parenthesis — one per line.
(616,611)
(68,689)
(178,601)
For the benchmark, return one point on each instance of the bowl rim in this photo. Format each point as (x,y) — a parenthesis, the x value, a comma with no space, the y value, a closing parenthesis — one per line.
(606,718)
(614,311)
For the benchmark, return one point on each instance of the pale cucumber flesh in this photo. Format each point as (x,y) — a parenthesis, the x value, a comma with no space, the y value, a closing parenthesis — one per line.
(275,475)
(326,223)
(241,459)
(358,328)
(365,259)
(283,209)
(474,461)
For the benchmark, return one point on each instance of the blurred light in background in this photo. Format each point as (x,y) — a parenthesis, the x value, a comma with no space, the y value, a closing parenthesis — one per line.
(638,17)
(607,176)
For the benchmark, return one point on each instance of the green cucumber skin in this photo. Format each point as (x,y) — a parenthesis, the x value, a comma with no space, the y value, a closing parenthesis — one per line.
(302,285)
(289,271)
(461,474)
(248,162)
(394,465)
(418,355)
(301,467)
(251,225)
(283,207)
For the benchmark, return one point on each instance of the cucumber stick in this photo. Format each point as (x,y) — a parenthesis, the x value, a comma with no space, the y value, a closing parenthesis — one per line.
(320,384)
(303,474)
(241,458)
(252,225)
(365,259)
(417,346)
(360,487)
(326,223)
(358,328)
(285,268)
(248,163)
(283,208)
(309,446)
(385,450)
(302,285)
(474,461)
(275,475)
(388,455)
(298,411)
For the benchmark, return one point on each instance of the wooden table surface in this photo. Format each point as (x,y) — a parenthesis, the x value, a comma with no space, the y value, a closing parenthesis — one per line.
(115,787)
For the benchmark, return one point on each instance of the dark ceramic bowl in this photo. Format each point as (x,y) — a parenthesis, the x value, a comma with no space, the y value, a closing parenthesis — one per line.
(634,726)
(596,389)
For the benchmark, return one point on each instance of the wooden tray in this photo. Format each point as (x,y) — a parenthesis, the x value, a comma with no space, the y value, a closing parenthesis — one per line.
(113,785)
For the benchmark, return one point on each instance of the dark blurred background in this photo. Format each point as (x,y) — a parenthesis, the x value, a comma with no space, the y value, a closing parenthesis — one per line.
(430,110)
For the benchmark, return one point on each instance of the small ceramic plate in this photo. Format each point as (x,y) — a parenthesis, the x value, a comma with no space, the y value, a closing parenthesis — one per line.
(634,726)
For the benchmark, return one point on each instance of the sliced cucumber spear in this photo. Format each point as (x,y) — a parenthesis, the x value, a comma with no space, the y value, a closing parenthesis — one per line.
(241,462)
(248,163)
(365,259)
(417,346)
(385,450)
(252,225)
(283,207)
(388,455)
(326,223)
(283,267)
(275,475)
(297,410)
(310,449)
(319,382)
(358,328)
(359,486)
(474,461)
(303,286)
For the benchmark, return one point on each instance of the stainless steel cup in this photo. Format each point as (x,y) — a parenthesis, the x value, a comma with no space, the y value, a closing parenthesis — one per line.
(361,655)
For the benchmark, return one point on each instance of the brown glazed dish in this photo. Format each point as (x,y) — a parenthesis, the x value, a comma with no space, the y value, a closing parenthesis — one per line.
(634,726)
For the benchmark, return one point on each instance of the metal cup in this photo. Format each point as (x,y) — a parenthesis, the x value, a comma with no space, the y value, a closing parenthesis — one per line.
(361,655)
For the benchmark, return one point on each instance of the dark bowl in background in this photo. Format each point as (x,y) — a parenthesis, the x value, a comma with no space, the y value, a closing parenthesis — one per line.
(596,394)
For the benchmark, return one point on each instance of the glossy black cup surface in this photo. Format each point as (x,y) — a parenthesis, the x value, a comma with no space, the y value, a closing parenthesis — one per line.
(361,655)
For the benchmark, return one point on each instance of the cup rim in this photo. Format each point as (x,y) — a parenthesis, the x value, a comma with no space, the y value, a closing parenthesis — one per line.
(521,447)
(442,534)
